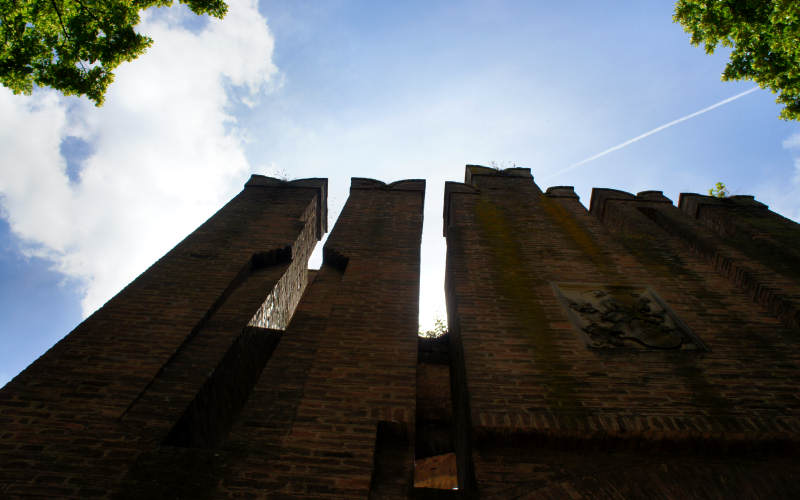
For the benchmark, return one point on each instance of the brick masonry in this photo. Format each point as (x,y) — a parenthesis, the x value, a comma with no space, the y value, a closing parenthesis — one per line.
(540,413)
(76,419)
(638,349)
(229,369)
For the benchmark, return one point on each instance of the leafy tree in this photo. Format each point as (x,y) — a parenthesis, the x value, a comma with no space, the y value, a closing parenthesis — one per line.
(74,45)
(764,35)
(719,190)
(439,329)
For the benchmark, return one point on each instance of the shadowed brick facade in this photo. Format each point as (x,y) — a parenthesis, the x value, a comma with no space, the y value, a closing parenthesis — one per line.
(193,383)
(635,350)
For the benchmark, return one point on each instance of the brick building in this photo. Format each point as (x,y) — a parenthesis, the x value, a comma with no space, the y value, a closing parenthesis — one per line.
(634,350)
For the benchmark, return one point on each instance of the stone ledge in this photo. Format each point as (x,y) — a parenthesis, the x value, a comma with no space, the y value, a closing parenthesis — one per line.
(561,192)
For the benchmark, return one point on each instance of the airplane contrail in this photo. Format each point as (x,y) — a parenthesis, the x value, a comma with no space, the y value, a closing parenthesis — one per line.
(651,132)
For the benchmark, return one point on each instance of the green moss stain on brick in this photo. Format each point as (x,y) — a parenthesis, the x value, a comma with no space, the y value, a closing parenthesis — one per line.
(504,251)
(580,238)
(656,259)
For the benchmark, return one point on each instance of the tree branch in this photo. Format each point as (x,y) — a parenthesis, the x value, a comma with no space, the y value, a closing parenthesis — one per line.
(66,33)
(88,11)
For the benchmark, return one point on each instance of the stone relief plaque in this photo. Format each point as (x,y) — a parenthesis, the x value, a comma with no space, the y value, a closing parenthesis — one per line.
(625,317)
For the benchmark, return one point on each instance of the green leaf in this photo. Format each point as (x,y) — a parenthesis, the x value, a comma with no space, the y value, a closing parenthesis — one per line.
(764,36)
(75,45)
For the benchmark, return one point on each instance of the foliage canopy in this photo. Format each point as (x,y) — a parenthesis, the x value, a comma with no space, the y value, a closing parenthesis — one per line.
(74,45)
(764,36)
(719,190)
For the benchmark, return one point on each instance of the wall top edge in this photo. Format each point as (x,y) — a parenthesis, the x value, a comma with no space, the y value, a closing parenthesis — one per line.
(266,181)
(690,203)
(652,195)
(318,183)
(451,187)
(401,185)
(601,195)
(459,187)
(471,171)
(561,192)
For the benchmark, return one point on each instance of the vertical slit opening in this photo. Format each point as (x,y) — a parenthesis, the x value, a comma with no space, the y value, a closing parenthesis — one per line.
(435,463)
(391,471)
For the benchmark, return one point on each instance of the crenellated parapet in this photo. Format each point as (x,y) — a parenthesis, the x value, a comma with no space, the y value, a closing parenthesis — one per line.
(602,196)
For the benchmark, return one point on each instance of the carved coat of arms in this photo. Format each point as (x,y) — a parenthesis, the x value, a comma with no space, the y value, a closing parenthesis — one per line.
(618,316)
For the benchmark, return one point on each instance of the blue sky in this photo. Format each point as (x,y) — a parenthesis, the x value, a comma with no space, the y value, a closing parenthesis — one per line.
(90,197)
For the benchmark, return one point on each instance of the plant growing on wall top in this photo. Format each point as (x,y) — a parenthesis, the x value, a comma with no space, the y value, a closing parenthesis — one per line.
(719,190)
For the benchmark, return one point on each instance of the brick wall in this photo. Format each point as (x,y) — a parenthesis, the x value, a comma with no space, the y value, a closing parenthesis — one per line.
(228,369)
(532,373)
(758,249)
(76,419)
(324,408)
(333,412)
(637,349)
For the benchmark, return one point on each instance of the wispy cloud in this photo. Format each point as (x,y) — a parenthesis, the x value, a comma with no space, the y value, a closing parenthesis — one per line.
(651,132)
(792,142)
(785,194)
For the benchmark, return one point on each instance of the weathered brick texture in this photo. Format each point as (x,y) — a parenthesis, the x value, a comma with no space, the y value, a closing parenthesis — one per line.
(766,261)
(76,419)
(542,413)
(228,369)
(634,350)
(333,412)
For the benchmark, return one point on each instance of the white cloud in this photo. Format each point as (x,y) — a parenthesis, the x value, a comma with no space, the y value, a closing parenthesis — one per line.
(166,150)
(792,142)
(783,195)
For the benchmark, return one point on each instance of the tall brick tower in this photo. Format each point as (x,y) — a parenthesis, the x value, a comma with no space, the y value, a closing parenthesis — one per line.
(637,350)
(229,369)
